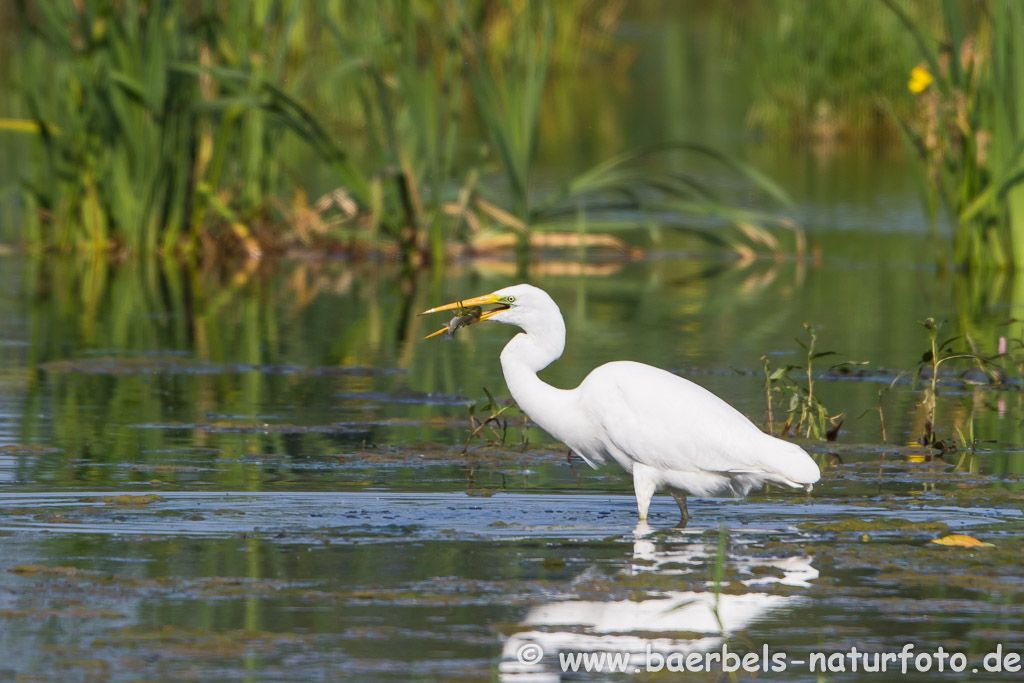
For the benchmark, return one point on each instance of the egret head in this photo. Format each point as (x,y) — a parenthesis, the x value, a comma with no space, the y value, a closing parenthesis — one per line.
(524,306)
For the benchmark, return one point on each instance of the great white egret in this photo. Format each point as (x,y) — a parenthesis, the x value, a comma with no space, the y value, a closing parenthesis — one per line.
(668,432)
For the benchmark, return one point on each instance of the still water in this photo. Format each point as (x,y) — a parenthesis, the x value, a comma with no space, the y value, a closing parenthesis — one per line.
(260,474)
(263,474)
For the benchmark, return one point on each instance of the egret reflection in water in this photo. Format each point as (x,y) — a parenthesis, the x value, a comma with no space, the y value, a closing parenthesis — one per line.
(654,625)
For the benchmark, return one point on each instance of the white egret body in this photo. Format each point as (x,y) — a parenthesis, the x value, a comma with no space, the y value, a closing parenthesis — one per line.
(668,432)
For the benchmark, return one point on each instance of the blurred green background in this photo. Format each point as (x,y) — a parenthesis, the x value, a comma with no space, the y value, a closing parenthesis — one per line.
(218,221)
(425,131)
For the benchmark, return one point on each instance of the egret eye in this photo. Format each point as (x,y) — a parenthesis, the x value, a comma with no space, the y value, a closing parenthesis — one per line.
(509,299)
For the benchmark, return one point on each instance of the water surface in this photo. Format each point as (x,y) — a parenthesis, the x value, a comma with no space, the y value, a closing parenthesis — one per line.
(263,475)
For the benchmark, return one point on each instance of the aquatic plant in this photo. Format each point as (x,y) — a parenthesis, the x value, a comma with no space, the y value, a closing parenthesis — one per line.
(932,358)
(805,409)
(811,77)
(967,133)
(770,377)
(150,120)
(494,421)
(968,447)
(937,354)
(415,110)
(163,128)
(881,414)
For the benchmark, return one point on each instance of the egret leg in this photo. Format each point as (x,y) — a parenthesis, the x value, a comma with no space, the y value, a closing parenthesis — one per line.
(568,459)
(643,485)
(681,502)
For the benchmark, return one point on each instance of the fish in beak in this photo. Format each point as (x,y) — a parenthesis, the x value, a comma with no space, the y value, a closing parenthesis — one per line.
(467,312)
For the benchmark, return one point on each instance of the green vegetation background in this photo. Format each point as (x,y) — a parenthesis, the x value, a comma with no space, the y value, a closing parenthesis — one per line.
(430,129)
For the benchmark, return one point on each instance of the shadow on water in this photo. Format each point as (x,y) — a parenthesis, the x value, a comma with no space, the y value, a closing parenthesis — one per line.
(211,476)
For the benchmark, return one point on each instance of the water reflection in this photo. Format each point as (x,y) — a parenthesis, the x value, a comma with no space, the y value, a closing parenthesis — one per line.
(245,404)
(656,624)
(117,364)
(681,559)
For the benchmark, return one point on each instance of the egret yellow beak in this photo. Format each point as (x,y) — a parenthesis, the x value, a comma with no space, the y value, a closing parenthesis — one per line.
(440,331)
(485,300)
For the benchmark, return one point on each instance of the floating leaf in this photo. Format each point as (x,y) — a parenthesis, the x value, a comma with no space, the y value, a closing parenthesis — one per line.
(961,541)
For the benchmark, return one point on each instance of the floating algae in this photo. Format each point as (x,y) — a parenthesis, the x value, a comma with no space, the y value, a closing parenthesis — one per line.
(128,500)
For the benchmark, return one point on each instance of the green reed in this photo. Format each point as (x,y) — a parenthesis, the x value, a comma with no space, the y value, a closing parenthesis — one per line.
(813,82)
(169,128)
(151,118)
(968,131)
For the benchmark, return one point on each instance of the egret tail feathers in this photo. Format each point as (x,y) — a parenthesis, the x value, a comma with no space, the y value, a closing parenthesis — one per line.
(593,462)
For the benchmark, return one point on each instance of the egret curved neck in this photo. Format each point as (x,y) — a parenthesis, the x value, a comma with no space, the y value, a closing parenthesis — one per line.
(540,343)
(521,360)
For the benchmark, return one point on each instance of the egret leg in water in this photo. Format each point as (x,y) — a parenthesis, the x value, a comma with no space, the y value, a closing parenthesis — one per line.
(668,432)
(680,497)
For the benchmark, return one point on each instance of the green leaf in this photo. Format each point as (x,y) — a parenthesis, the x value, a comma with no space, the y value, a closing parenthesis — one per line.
(492,403)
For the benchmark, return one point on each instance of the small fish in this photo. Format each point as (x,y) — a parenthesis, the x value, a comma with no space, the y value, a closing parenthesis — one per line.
(463,317)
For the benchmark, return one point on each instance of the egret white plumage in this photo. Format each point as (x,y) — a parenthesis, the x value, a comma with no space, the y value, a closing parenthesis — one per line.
(668,432)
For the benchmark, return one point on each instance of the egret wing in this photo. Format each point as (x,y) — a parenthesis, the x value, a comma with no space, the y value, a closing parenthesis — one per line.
(664,421)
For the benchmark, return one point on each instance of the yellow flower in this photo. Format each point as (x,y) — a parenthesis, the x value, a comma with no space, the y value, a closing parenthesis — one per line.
(920,79)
